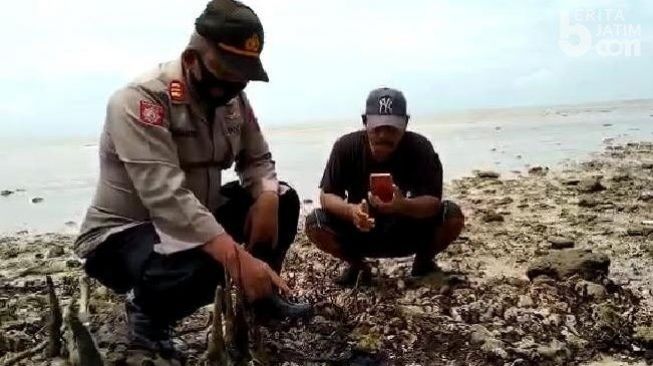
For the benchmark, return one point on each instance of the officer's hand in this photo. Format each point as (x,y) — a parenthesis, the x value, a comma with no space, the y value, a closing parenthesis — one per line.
(255,277)
(360,215)
(262,224)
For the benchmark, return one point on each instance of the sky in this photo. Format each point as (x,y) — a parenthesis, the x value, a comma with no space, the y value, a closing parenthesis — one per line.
(62,59)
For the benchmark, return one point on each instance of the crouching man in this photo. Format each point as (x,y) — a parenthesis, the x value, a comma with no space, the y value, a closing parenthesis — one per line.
(381,195)
(162,227)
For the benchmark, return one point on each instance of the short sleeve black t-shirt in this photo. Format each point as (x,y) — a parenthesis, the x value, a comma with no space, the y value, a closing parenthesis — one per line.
(415,167)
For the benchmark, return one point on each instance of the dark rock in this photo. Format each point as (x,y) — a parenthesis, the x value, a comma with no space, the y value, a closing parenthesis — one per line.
(596,291)
(525,301)
(540,252)
(591,290)
(646,196)
(639,231)
(55,252)
(492,217)
(566,263)
(648,248)
(487,174)
(538,170)
(556,351)
(609,325)
(445,290)
(587,218)
(624,177)
(644,336)
(73,263)
(479,334)
(588,202)
(571,181)
(591,185)
(37,200)
(560,242)
(505,201)
(13,341)
(9,253)
(6,193)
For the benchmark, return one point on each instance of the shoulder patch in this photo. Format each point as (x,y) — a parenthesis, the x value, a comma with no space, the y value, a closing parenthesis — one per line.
(177,91)
(151,113)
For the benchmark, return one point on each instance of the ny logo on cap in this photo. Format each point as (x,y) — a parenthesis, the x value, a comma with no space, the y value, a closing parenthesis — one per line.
(385,105)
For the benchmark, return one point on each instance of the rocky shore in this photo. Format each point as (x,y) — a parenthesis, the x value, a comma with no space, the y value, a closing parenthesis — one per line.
(554,268)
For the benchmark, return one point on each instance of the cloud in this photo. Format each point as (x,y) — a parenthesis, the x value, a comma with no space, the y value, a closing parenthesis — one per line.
(322,57)
(76,37)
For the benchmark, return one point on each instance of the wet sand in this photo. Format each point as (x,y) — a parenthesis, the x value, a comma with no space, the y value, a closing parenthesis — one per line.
(483,310)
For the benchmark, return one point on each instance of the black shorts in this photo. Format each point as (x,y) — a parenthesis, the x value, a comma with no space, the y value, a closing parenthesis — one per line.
(392,236)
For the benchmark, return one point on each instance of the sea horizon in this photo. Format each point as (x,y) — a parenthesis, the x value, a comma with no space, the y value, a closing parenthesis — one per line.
(63,171)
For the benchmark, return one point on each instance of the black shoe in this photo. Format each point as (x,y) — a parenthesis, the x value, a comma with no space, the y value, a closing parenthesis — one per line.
(350,275)
(146,334)
(424,268)
(276,307)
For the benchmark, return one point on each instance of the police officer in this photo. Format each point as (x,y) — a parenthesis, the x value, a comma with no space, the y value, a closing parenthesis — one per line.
(162,227)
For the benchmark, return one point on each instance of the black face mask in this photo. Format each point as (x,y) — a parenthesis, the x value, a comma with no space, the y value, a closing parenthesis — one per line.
(208,81)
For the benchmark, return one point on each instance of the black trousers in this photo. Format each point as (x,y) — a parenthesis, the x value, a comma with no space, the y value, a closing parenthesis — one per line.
(392,236)
(171,287)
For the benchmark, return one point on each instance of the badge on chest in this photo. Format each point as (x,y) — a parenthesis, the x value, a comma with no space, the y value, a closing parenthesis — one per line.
(233,118)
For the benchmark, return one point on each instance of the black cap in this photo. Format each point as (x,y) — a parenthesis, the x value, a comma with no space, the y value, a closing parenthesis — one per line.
(386,107)
(237,34)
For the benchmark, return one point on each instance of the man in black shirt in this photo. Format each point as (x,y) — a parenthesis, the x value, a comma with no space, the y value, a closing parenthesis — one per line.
(354,224)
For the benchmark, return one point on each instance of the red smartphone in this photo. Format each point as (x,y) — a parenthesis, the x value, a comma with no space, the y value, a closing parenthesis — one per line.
(381,185)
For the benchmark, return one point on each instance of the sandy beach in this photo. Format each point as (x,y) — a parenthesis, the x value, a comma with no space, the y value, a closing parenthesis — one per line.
(553,268)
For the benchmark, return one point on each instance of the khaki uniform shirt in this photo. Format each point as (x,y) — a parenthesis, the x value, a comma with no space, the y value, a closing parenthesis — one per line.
(161,161)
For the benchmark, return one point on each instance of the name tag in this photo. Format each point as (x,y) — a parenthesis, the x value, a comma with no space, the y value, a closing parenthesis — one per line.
(232,118)
(232,128)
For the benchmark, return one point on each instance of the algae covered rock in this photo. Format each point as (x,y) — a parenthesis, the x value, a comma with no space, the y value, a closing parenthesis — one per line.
(566,263)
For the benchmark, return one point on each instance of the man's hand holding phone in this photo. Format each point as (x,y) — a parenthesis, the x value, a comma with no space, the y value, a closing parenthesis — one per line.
(384,195)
